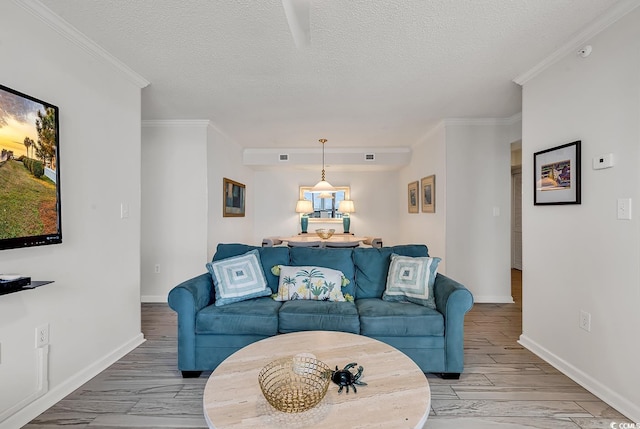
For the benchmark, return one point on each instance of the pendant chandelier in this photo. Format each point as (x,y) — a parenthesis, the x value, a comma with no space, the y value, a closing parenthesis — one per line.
(323,187)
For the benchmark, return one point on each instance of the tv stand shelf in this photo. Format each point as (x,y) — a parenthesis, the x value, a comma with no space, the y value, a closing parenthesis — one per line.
(34,284)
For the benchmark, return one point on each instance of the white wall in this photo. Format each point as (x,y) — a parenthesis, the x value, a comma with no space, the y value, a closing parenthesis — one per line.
(429,157)
(174,205)
(478,166)
(224,159)
(183,164)
(93,308)
(276,193)
(471,160)
(580,257)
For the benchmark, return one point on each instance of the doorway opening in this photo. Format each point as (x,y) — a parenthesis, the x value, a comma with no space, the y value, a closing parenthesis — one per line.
(516,221)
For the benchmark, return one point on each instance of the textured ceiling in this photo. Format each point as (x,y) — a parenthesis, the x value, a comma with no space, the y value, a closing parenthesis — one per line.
(376,72)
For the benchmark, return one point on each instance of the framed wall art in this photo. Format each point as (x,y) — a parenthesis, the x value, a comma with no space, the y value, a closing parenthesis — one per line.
(413,196)
(556,175)
(429,194)
(233,194)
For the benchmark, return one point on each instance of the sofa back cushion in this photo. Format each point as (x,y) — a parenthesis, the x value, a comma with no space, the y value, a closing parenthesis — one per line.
(337,259)
(269,256)
(372,266)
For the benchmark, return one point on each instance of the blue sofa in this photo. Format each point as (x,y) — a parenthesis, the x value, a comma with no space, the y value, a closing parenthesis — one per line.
(433,338)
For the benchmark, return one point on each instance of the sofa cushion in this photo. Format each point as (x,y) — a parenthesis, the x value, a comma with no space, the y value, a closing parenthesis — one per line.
(382,318)
(372,266)
(258,316)
(338,259)
(269,256)
(238,278)
(414,250)
(318,316)
(306,282)
(411,279)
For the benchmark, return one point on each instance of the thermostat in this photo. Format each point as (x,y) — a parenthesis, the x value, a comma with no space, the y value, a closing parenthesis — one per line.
(603,161)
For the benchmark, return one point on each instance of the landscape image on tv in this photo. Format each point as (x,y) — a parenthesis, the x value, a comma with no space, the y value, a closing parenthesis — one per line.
(29,177)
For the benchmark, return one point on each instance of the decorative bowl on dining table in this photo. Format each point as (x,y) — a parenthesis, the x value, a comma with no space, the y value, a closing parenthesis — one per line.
(325,233)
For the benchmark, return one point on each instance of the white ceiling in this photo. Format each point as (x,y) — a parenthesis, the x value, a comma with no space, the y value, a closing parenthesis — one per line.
(377,73)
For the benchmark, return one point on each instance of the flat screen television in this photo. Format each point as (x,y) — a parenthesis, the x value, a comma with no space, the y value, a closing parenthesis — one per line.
(30,209)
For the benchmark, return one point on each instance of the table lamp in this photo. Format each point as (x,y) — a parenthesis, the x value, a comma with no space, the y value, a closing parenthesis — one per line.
(346,207)
(304,207)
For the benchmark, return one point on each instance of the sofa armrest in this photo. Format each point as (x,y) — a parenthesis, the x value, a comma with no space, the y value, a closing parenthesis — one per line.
(196,290)
(187,299)
(453,300)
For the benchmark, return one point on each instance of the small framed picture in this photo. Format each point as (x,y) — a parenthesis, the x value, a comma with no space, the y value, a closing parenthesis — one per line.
(414,196)
(556,175)
(429,194)
(233,194)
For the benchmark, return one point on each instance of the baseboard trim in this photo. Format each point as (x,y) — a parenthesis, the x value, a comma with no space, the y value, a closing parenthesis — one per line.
(154,298)
(630,410)
(493,299)
(53,396)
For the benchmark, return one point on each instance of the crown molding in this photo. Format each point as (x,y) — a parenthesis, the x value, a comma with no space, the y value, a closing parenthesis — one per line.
(483,121)
(65,29)
(176,123)
(314,151)
(384,158)
(605,20)
(514,119)
(430,133)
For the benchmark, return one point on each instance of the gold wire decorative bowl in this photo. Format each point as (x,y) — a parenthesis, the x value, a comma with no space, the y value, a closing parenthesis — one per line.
(325,233)
(294,384)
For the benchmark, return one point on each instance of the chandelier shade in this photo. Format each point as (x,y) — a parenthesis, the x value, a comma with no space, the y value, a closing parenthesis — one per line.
(323,186)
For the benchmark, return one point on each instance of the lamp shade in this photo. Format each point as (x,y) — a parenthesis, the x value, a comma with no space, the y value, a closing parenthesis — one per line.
(322,187)
(304,206)
(346,206)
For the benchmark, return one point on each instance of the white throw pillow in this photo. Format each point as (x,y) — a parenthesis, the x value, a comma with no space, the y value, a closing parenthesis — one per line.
(238,278)
(411,279)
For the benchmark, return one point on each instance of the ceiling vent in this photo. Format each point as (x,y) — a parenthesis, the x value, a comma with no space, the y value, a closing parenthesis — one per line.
(369,156)
(283,157)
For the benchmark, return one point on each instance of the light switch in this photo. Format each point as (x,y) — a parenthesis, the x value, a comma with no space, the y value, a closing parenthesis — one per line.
(624,208)
(124,211)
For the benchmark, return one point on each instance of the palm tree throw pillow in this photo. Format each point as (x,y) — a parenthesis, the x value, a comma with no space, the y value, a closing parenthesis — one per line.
(306,282)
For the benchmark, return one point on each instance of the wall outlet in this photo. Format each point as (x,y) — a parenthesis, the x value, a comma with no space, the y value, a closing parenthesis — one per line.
(585,321)
(124,210)
(42,335)
(624,208)
(156,269)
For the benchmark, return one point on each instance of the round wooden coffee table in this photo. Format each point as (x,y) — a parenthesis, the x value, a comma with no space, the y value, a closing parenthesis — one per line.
(397,392)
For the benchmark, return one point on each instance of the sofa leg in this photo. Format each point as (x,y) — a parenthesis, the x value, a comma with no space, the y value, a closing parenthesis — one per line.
(450,375)
(191,374)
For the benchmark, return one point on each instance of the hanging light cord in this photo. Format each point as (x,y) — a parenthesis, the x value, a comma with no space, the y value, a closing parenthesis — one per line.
(323,141)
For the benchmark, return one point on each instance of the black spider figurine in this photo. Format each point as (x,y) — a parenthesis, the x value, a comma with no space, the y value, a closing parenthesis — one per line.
(344,377)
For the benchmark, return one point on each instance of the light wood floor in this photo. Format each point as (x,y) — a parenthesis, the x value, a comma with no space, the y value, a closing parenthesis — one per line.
(503,386)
